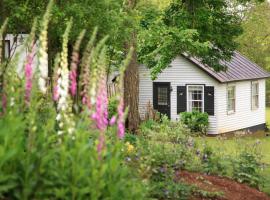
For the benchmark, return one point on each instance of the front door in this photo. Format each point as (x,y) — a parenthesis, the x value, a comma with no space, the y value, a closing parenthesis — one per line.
(162,97)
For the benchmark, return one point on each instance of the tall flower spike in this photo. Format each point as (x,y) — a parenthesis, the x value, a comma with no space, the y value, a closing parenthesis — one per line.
(86,64)
(64,115)
(94,75)
(56,74)
(101,110)
(28,70)
(43,46)
(121,108)
(74,64)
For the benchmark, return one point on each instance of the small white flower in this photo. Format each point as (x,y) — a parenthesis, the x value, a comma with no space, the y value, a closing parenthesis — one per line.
(61,124)
(58,117)
(70,130)
(34,128)
(59,132)
(12,101)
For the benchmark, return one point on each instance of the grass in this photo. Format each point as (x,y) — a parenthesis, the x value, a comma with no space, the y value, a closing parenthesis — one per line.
(232,146)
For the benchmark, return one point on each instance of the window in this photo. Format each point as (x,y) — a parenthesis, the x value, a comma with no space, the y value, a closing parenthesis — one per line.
(162,96)
(254,95)
(231,99)
(195,98)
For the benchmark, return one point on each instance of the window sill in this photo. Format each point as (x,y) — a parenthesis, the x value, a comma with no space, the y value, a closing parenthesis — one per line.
(230,112)
(254,109)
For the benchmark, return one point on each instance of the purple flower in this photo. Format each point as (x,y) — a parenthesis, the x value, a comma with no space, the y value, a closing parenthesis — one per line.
(28,75)
(73,82)
(128,159)
(55,93)
(112,121)
(101,112)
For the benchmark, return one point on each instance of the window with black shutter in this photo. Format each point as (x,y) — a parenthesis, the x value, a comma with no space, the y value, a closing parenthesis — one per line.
(181,99)
(209,100)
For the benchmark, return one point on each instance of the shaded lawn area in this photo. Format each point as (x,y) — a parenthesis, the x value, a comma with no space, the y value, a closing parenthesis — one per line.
(232,146)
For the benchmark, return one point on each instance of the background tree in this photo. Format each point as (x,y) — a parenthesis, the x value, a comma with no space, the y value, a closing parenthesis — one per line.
(255,40)
(203,28)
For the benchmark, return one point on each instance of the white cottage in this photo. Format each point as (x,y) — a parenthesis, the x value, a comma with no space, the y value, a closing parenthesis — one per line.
(234,100)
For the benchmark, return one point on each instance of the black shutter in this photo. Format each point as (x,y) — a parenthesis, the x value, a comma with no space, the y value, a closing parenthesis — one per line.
(181,99)
(209,100)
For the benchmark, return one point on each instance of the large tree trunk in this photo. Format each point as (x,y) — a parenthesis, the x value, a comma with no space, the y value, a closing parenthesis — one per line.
(131,79)
(131,87)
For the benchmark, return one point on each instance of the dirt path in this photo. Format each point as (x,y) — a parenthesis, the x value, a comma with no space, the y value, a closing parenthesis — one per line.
(231,189)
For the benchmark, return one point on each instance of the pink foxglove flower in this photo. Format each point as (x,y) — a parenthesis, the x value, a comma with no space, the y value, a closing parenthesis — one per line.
(73,82)
(101,113)
(74,65)
(112,121)
(55,93)
(28,75)
(101,144)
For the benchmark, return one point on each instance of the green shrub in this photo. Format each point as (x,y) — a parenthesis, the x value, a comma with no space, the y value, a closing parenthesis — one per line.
(195,121)
(112,107)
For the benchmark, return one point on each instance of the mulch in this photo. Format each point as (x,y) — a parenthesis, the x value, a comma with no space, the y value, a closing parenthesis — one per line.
(231,189)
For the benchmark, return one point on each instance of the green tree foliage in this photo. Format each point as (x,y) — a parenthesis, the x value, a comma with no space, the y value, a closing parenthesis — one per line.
(206,29)
(86,14)
(255,41)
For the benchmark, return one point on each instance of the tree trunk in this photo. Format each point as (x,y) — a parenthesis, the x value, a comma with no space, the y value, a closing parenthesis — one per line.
(131,87)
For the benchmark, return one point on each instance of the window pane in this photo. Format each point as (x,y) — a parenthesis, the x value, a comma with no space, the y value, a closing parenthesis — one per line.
(231,99)
(197,106)
(255,95)
(195,98)
(162,96)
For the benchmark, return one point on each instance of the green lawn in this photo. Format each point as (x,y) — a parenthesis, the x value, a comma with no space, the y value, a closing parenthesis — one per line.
(268,115)
(232,146)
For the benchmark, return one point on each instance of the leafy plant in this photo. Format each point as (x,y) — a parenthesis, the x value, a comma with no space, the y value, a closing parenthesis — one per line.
(112,107)
(195,121)
(212,163)
(246,169)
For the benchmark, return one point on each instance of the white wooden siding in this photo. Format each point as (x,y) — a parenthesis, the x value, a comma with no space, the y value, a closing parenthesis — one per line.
(16,47)
(180,73)
(243,117)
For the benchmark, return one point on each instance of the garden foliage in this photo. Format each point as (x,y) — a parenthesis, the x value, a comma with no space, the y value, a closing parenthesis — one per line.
(197,122)
(56,138)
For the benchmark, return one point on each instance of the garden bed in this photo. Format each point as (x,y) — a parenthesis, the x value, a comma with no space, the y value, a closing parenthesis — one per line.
(231,190)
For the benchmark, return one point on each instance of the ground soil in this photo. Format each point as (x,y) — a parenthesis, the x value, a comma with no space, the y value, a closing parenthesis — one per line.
(231,190)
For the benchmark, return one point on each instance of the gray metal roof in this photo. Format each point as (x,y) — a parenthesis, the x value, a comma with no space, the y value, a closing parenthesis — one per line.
(238,69)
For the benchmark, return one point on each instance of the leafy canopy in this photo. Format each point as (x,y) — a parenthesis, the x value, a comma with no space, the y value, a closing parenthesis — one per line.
(203,28)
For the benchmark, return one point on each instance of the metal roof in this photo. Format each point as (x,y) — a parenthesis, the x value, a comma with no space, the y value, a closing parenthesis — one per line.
(238,69)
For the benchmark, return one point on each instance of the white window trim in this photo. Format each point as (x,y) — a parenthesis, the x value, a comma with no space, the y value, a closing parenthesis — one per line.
(256,108)
(230,112)
(187,94)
